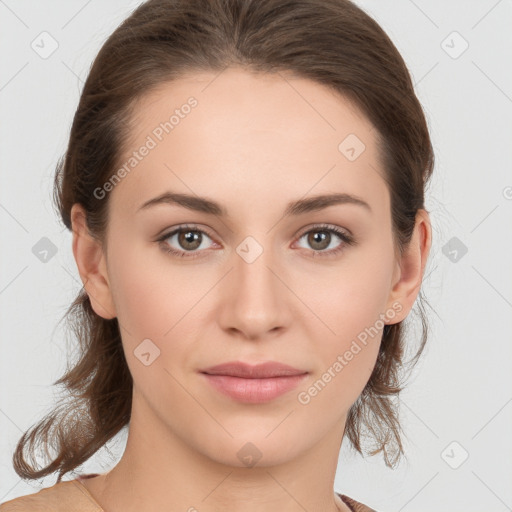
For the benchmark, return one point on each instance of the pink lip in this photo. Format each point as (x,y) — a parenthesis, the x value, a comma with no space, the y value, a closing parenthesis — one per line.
(253,384)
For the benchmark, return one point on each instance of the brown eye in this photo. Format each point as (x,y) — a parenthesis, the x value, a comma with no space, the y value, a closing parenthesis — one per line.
(188,241)
(322,237)
(319,240)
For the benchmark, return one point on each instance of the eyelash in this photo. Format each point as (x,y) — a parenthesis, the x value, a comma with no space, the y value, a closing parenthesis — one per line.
(346,239)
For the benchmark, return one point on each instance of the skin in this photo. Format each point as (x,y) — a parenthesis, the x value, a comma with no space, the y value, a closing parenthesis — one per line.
(254,143)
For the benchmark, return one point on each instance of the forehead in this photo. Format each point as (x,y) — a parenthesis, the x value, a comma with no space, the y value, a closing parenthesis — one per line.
(245,138)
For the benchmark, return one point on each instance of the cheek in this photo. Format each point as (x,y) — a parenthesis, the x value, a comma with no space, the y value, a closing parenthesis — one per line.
(353,306)
(347,357)
(139,294)
(152,304)
(159,300)
(352,296)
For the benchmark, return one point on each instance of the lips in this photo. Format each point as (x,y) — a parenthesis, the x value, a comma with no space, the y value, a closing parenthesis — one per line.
(251,384)
(266,370)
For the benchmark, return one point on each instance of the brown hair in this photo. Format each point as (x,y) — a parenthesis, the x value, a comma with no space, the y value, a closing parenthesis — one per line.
(332,42)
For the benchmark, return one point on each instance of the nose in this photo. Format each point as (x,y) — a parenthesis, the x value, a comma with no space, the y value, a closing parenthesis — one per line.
(254,299)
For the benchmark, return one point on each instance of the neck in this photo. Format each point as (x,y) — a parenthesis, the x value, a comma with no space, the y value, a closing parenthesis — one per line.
(159,471)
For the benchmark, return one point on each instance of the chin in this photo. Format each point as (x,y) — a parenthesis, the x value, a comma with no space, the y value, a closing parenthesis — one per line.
(254,449)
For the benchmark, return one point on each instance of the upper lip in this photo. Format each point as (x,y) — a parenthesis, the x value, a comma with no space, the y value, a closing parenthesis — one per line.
(259,371)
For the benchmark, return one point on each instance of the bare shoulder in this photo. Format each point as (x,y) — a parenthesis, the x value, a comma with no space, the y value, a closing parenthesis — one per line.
(31,502)
(67,496)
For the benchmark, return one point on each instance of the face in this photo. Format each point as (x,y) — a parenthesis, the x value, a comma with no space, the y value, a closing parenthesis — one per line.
(259,273)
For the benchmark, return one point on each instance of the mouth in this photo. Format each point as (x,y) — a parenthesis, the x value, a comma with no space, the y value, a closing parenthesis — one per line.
(253,384)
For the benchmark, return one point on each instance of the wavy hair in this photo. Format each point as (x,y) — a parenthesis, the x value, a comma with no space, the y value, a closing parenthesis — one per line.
(332,42)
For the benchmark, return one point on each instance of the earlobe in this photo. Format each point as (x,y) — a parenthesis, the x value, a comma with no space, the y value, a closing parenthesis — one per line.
(411,267)
(90,260)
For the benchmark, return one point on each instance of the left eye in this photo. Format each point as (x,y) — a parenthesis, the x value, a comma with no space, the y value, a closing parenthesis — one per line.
(320,238)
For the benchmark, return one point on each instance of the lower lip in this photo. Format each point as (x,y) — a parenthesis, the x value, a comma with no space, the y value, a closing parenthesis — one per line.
(254,391)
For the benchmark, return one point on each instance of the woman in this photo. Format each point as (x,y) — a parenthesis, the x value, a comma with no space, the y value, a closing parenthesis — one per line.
(244,182)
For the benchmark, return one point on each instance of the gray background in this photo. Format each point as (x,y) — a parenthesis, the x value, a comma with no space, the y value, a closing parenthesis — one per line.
(459,401)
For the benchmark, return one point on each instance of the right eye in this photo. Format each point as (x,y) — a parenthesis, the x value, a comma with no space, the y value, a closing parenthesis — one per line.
(189,238)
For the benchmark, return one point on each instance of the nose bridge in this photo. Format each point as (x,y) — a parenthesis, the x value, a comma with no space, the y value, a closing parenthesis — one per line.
(252,268)
(254,303)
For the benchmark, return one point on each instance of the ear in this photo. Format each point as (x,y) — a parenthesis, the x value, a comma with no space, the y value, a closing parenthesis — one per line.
(409,270)
(91,263)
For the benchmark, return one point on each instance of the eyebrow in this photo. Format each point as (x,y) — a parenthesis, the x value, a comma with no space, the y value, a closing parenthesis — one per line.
(299,207)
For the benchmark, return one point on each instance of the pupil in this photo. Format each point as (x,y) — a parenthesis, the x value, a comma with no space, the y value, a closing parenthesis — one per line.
(190,237)
(319,237)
